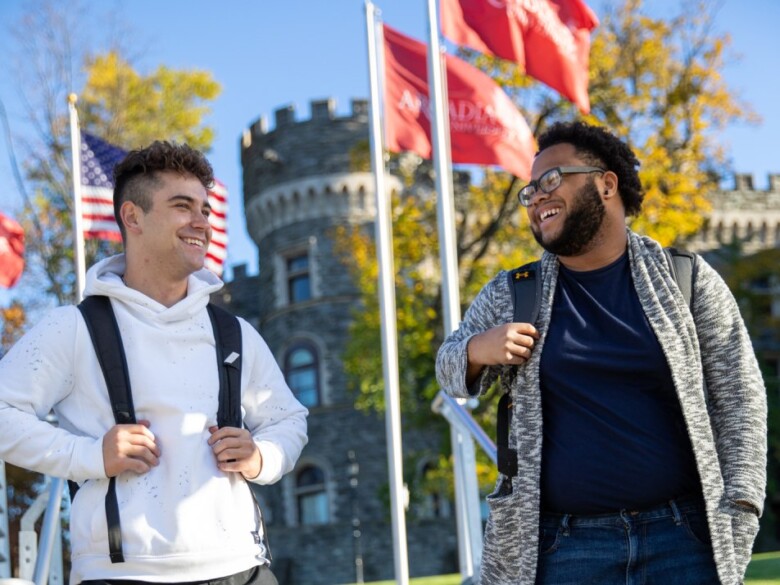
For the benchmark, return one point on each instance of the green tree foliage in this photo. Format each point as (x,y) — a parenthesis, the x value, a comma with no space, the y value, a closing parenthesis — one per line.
(117,102)
(654,81)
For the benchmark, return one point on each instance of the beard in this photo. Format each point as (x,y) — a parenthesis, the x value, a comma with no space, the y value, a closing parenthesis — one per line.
(581,226)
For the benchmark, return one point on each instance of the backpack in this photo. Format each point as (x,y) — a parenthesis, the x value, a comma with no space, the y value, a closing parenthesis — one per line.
(526,294)
(106,339)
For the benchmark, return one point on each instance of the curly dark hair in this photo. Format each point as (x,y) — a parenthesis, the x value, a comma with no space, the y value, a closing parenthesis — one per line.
(599,147)
(136,175)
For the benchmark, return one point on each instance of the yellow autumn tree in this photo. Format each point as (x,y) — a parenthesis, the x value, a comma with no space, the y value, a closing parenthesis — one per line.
(658,83)
(13,318)
(131,109)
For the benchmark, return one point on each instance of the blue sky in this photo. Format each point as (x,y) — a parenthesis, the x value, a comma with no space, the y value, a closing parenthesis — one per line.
(269,55)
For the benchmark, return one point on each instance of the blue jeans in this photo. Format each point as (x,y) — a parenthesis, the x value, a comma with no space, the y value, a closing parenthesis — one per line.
(665,545)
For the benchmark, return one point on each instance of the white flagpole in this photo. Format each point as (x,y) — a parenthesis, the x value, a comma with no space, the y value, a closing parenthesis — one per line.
(384,246)
(467,504)
(78,230)
(440,130)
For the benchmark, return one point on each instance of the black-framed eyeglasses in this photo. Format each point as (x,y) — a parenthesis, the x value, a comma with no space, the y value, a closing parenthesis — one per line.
(550,181)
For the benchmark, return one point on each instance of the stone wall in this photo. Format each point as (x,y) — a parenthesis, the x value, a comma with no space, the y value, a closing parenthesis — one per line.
(743,214)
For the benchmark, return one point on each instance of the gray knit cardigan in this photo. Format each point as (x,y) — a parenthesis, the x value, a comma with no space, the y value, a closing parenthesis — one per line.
(709,341)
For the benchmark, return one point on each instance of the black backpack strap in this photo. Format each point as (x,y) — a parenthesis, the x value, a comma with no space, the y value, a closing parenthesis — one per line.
(506,457)
(227,341)
(104,331)
(254,489)
(526,294)
(683,267)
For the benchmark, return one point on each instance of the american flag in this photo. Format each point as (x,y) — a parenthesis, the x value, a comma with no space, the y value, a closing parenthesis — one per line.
(98,159)
(215,257)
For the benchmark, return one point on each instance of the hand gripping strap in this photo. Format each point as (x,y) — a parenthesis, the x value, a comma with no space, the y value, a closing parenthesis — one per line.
(227,340)
(526,292)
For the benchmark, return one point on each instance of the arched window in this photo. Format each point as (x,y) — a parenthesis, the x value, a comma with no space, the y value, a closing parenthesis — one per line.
(302,374)
(311,497)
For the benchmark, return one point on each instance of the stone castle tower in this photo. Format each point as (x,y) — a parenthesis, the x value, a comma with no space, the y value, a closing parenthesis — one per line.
(328,519)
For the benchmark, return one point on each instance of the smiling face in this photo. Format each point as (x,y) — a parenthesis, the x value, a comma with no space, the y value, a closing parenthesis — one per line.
(580,225)
(172,237)
(568,221)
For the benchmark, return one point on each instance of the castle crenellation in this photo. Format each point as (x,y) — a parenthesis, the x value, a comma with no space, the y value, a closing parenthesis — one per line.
(320,110)
(296,149)
(744,182)
(745,214)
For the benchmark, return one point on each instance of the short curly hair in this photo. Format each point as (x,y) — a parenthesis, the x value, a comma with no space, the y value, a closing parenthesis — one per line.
(136,174)
(599,147)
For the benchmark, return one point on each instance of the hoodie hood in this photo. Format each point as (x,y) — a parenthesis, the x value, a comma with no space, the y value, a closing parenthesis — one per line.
(105,279)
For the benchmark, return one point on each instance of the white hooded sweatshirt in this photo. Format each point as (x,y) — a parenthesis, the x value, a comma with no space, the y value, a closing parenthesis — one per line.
(184,520)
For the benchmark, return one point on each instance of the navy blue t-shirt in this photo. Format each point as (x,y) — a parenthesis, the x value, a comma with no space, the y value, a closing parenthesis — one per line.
(614,434)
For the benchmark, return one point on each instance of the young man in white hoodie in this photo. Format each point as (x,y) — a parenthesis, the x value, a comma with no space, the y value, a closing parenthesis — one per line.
(186,511)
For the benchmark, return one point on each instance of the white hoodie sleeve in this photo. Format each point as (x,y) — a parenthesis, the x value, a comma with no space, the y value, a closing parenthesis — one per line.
(37,375)
(274,416)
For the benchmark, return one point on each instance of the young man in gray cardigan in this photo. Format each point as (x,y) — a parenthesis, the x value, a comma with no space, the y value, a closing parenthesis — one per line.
(639,423)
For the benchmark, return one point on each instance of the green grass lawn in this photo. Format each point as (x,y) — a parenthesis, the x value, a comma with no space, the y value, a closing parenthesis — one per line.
(764,569)
(438,580)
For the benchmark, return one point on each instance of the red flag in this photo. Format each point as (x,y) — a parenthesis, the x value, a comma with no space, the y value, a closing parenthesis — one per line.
(549,39)
(98,159)
(11,251)
(486,127)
